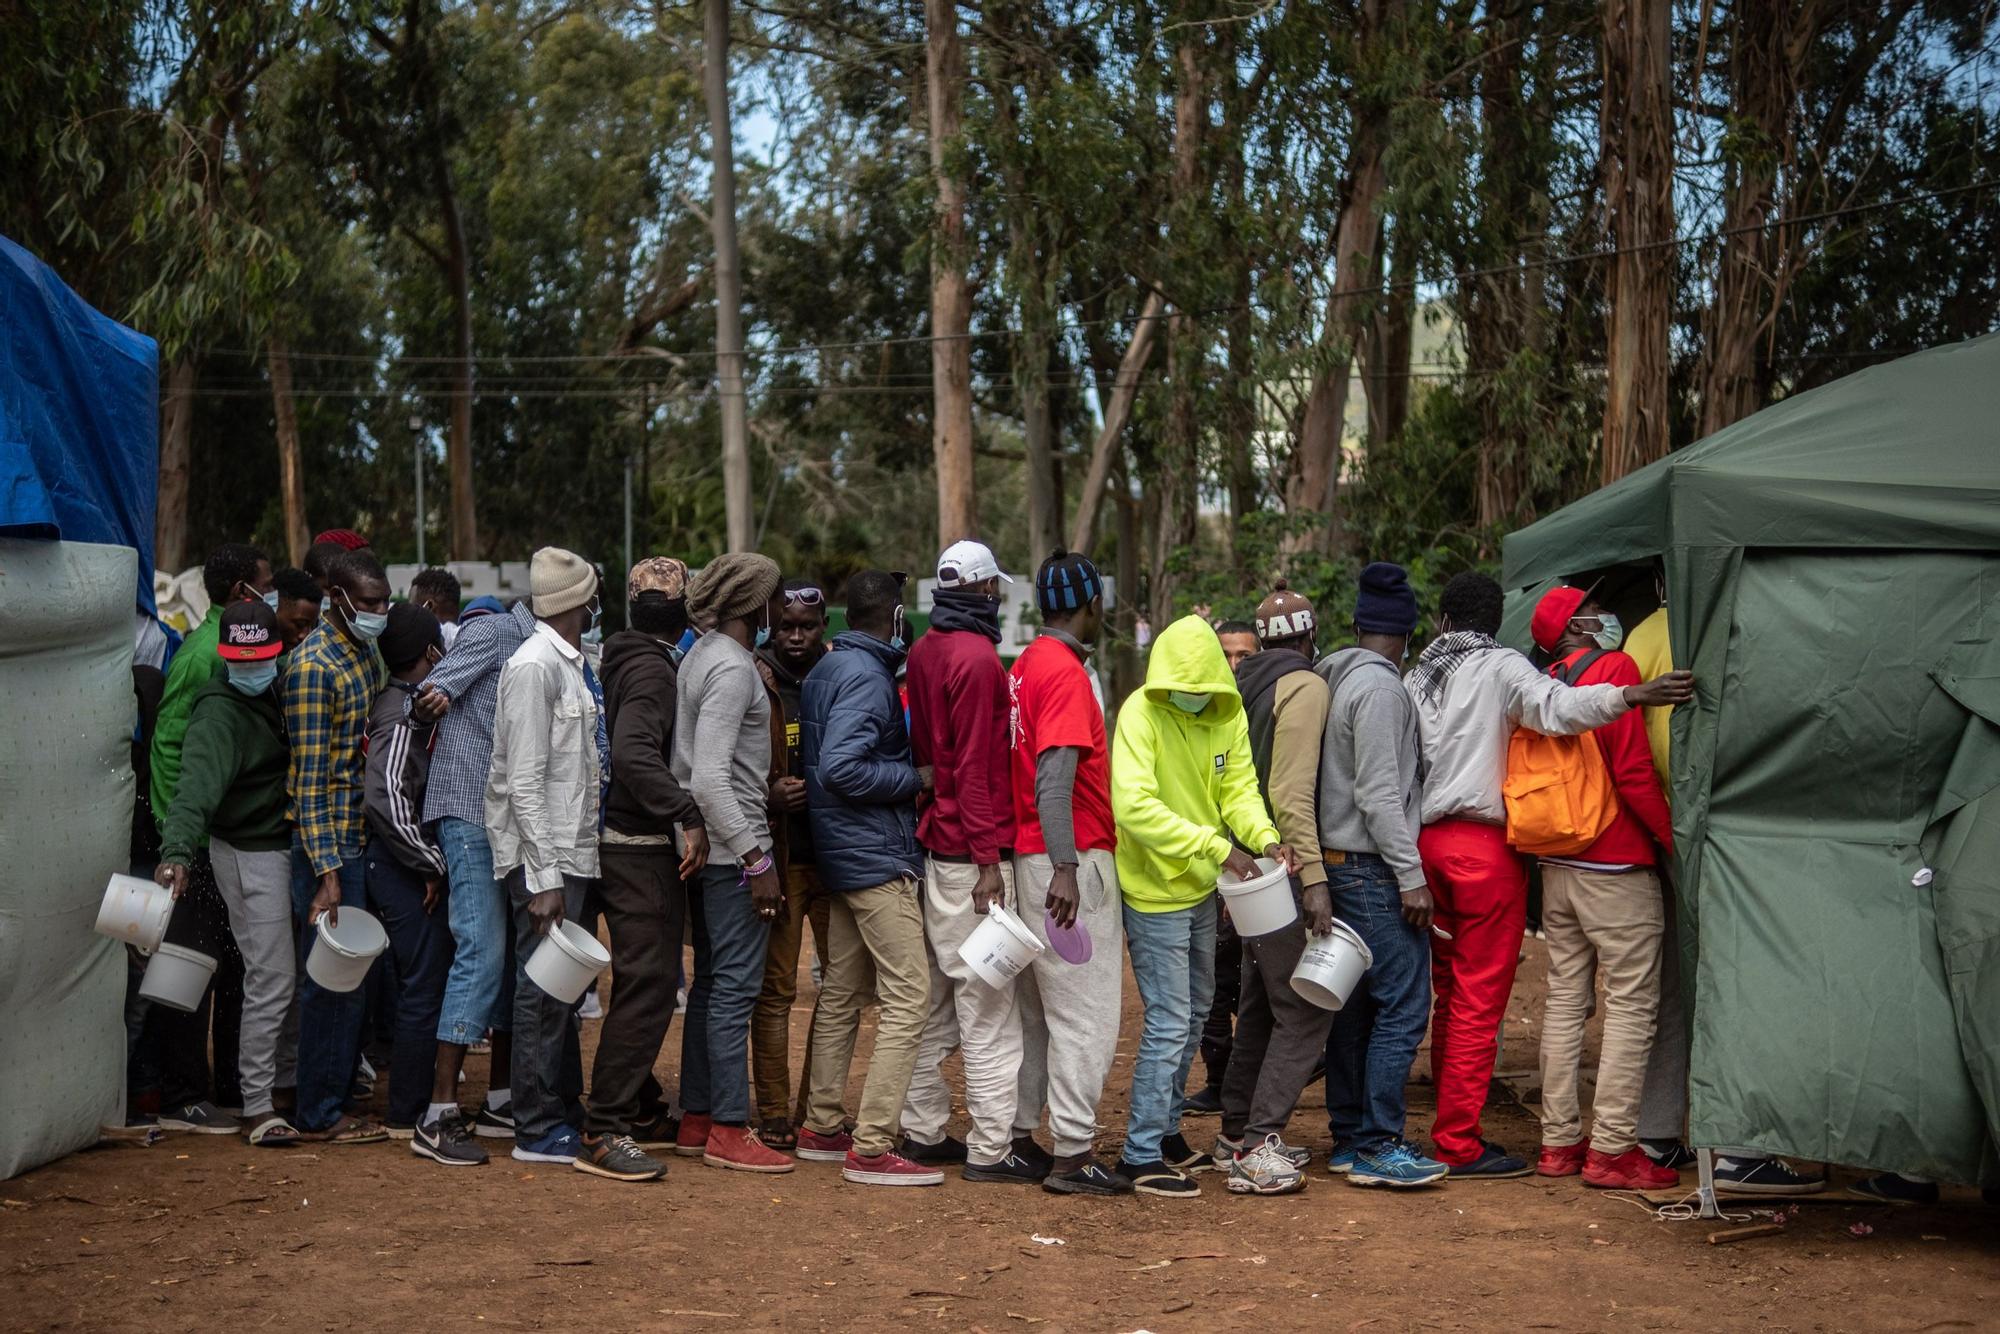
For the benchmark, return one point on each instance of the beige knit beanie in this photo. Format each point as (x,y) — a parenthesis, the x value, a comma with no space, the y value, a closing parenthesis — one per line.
(732,585)
(559,581)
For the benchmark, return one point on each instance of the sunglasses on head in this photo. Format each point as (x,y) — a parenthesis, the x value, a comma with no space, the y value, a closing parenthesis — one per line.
(805,597)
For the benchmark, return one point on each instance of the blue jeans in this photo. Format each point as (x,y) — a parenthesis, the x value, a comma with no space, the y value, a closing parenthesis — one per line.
(420,944)
(329,1021)
(730,942)
(1173,961)
(479,991)
(1375,1036)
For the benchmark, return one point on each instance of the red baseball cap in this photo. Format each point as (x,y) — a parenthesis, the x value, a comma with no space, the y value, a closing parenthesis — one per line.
(345,537)
(1553,613)
(249,633)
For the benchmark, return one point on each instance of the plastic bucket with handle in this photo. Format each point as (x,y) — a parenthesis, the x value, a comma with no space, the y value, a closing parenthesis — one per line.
(135,911)
(1259,906)
(342,955)
(565,962)
(177,977)
(999,947)
(1331,965)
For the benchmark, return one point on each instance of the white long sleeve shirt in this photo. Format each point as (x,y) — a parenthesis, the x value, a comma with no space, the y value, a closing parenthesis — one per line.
(541,791)
(1465,729)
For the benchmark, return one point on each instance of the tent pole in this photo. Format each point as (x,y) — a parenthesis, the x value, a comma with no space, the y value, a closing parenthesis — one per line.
(1705,1164)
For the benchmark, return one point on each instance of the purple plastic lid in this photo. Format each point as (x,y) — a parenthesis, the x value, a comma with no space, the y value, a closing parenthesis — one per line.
(1071,943)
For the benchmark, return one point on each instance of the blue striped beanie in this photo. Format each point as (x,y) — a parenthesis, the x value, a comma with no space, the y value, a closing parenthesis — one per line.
(1066,583)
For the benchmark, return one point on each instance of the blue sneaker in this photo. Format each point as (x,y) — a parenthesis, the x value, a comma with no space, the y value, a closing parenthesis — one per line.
(558,1146)
(1341,1160)
(1395,1165)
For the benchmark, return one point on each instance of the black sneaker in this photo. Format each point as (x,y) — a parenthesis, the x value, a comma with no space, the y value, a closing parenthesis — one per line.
(199,1118)
(1892,1189)
(1493,1164)
(445,1141)
(1176,1152)
(616,1157)
(946,1150)
(489,1124)
(656,1131)
(1093,1178)
(1208,1102)
(1671,1154)
(1012,1168)
(1764,1176)
(1034,1154)
(1160,1179)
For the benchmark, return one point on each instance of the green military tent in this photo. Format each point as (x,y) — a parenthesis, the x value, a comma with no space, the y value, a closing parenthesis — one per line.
(1833,579)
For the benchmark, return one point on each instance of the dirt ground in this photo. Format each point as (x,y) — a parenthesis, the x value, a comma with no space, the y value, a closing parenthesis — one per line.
(204,1233)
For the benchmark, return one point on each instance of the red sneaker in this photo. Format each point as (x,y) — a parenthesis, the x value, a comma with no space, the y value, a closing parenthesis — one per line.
(817,1148)
(1630,1170)
(1560,1160)
(738,1148)
(889,1169)
(691,1140)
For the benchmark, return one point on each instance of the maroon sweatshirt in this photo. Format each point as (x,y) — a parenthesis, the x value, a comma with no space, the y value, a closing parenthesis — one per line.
(1643,816)
(958,725)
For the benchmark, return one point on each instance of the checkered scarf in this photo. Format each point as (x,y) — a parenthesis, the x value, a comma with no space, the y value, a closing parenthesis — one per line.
(1442,656)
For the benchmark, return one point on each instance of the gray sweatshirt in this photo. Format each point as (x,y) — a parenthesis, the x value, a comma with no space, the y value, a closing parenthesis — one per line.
(1371,794)
(722,746)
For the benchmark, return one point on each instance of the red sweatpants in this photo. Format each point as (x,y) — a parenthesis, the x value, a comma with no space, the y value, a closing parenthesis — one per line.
(1481,889)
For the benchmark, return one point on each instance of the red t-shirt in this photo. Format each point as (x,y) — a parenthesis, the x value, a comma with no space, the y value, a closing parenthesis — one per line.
(1053,705)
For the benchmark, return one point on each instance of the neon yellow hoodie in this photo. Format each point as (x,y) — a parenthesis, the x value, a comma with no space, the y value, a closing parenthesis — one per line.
(1177,777)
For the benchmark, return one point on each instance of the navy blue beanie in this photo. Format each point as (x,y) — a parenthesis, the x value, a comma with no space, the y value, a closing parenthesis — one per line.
(1066,583)
(1385,603)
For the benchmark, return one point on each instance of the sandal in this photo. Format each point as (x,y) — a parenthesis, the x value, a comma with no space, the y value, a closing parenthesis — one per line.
(349,1130)
(777,1131)
(274,1132)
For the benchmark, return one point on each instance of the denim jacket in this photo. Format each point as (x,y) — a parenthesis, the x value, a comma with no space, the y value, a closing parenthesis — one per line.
(541,791)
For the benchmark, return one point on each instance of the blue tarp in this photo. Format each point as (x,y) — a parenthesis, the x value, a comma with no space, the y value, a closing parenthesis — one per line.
(79,418)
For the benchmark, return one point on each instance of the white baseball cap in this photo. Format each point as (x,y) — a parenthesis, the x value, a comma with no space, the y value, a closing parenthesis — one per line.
(968,562)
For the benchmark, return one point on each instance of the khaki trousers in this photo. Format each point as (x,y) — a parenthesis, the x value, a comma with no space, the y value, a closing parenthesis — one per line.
(771,1021)
(882,927)
(1612,923)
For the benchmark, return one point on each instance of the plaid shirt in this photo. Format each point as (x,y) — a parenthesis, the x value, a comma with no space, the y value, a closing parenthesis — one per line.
(470,675)
(329,686)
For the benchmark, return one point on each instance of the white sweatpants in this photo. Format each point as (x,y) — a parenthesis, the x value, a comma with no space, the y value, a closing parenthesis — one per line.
(1069,1012)
(967,1013)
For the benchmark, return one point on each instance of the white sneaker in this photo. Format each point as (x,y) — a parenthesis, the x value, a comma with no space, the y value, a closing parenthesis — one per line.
(591,1007)
(1265,1170)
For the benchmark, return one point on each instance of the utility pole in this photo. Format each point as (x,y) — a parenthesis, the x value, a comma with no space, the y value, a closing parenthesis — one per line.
(728,277)
(417,458)
(628,533)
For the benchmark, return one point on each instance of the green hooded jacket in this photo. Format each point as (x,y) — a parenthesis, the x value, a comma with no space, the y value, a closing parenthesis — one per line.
(1179,781)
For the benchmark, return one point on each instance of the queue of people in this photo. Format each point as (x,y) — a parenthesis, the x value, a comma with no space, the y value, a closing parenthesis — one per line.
(724,776)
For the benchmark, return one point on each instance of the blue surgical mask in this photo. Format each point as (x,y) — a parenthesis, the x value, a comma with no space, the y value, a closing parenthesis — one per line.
(1188,701)
(367,624)
(1610,631)
(896,640)
(271,599)
(325,604)
(594,635)
(252,678)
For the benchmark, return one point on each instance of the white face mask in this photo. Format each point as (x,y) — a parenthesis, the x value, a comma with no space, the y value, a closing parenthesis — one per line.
(1188,702)
(449,629)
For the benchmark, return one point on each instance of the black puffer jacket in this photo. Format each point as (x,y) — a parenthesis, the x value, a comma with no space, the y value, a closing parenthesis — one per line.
(639,697)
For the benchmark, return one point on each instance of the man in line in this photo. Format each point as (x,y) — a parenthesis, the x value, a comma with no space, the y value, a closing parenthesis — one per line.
(463,691)
(798,642)
(1604,917)
(541,819)
(233,573)
(722,756)
(437,591)
(231,794)
(1239,641)
(1280,1035)
(1185,779)
(330,684)
(1371,804)
(1239,645)
(965,824)
(297,606)
(406,876)
(1470,693)
(1065,869)
(644,877)
(860,783)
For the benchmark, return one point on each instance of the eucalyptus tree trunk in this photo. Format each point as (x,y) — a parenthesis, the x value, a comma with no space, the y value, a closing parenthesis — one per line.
(291,472)
(176,422)
(951,290)
(728,279)
(1636,143)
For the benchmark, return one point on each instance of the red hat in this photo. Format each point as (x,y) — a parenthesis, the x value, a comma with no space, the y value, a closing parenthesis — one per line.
(1554,613)
(249,633)
(345,537)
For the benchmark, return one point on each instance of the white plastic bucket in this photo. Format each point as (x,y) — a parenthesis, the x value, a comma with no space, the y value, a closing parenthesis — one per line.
(1331,965)
(135,911)
(565,962)
(999,948)
(177,977)
(1260,906)
(342,955)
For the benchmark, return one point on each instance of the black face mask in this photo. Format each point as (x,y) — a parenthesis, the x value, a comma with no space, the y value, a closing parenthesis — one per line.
(656,614)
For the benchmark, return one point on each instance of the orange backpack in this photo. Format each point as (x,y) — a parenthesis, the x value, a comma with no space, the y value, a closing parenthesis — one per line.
(1560,797)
